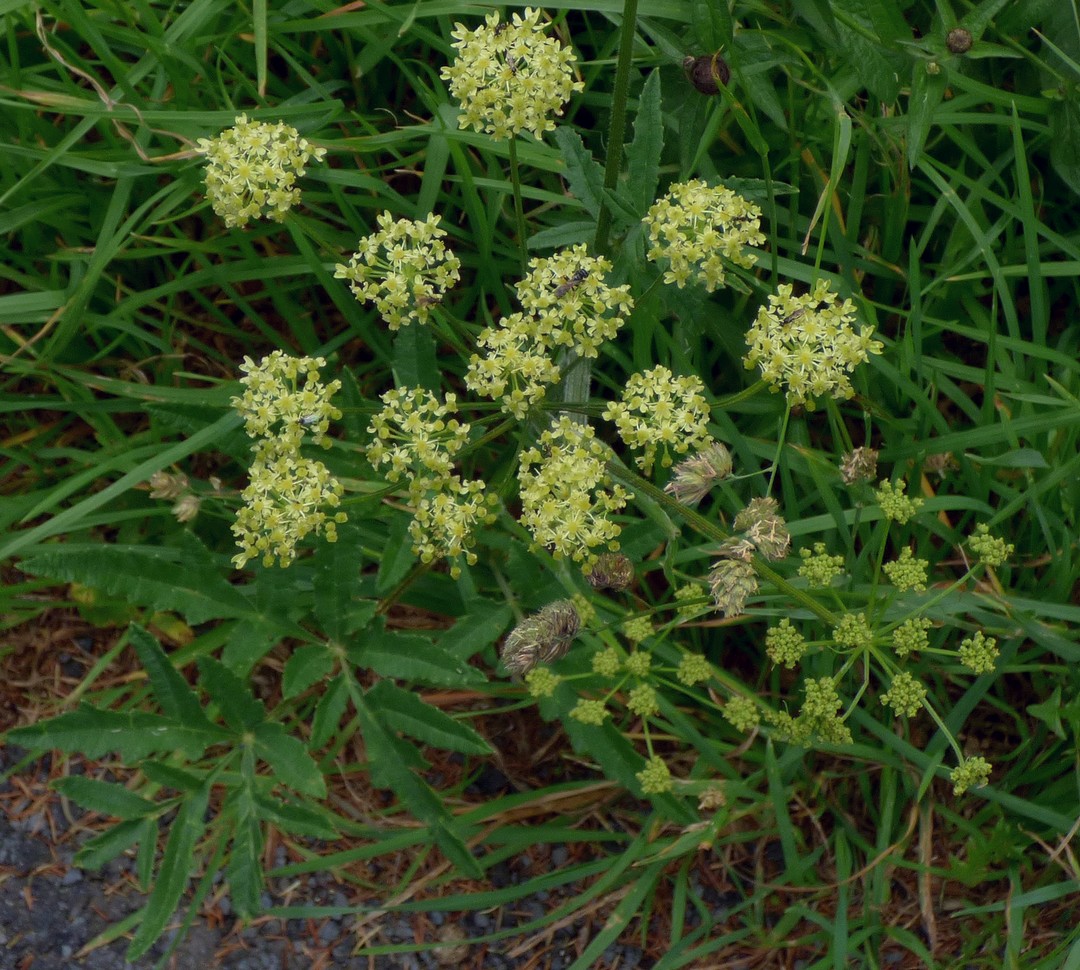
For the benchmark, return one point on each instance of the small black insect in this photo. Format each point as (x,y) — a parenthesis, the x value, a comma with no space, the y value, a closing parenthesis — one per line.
(568,284)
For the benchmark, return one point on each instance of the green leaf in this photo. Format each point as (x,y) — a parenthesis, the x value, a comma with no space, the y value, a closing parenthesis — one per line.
(397,558)
(877,66)
(132,734)
(188,580)
(927,90)
(104,797)
(171,690)
(476,630)
(95,852)
(176,867)
(244,870)
(583,174)
(248,643)
(711,22)
(414,658)
(307,665)
(1019,458)
(404,711)
(289,759)
(643,153)
(296,819)
(562,235)
(328,711)
(234,699)
(335,606)
(411,790)
(169,776)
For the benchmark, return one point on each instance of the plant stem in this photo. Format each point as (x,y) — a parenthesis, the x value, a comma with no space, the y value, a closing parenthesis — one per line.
(519,209)
(703,526)
(617,128)
(578,374)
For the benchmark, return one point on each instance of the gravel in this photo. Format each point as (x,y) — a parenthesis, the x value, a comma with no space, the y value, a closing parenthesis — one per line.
(50,911)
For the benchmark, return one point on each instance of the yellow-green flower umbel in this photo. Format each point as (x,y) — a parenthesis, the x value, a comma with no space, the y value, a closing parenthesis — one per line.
(807,346)
(252,170)
(566,495)
(284,399)
(572,305)
(415,434)
(405,269)
(510,77)
(567,305)
(700,231)
(660,411)
(287,492)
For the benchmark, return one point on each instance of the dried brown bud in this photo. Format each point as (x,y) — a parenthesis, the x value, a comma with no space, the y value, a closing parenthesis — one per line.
(958,40)
(941,464)
(693,478)
(707,72)
(859,465)
(765,528)
(543,637)
(612,570)
(167,486)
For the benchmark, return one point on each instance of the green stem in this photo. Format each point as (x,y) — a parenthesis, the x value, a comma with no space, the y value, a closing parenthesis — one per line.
(704,527)
(617,128)
(519,209)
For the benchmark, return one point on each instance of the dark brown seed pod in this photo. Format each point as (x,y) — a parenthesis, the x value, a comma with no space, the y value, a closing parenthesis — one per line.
(612,570)
(958,40)
(707,72)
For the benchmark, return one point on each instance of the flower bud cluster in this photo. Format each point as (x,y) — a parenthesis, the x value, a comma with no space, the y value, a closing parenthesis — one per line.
(700,230)
(567,497)
(661,411)
(252,170)
(567,305)
(284,500)
(405,269)
(417,438)
(807,346)
(509,76)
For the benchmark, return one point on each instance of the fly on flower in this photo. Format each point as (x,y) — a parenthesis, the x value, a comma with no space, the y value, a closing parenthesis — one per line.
(579,277)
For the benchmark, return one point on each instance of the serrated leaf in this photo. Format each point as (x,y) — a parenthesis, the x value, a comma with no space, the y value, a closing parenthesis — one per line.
(583,174)
(404,711)
(185,581)
(413,658)
(643,153)
(328,711)
(131,734)
(411,790)
(177,864)
(169,776)
(397,558)
(477,630)
(244,869)
(306,666)
(95,852)
(104,797)
(171,690)
(562,235)
(296,819)
(711,21)
(289,759)
(233,697)
(927,91)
